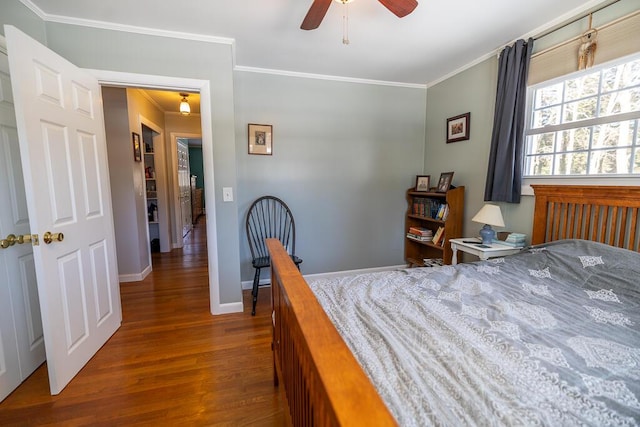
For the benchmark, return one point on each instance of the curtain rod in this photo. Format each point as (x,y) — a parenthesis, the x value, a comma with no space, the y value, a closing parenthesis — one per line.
(574,20)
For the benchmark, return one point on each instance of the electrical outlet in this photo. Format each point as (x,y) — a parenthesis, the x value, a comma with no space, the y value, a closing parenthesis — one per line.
(227,194)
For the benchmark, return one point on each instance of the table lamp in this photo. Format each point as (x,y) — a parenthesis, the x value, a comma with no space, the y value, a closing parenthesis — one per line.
(489,215)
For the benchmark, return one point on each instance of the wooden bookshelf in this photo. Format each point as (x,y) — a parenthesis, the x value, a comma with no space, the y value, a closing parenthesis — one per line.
(414,250)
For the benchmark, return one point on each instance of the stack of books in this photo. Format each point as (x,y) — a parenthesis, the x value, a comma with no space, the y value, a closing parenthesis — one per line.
(432,262)
(420,233)
(517,240)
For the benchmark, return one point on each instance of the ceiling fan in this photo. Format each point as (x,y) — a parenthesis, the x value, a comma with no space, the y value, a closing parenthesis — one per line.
(319,8)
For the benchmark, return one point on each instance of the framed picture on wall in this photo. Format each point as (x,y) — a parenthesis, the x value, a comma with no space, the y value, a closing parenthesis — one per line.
(458,128)
(260,139)
(137,150)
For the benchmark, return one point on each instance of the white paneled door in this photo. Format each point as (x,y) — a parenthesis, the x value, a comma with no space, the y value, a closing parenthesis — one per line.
(184,187)
(21,339)
(64,158)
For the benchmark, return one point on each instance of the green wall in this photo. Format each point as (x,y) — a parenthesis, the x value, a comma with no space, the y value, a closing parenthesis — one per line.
(195,165)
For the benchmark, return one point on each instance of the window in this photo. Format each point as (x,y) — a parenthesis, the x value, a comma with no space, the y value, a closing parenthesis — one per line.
(586,123)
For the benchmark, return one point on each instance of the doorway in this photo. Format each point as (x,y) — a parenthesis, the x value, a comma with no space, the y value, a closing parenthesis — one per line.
(146,81)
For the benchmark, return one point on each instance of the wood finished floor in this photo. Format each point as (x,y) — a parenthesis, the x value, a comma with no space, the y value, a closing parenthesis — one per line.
(170,363)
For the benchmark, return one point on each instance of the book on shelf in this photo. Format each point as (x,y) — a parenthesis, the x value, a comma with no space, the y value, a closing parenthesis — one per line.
(443,212)
(419,238)
(420,231)
(438,236)
(430,208)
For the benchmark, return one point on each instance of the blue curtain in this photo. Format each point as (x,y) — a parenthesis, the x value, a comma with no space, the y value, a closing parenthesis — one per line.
(504,177)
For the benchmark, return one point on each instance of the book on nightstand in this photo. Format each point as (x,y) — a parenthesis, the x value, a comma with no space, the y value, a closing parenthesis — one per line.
(516,240)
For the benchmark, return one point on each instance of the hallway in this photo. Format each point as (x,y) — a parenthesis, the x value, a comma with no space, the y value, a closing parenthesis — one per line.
(170,363)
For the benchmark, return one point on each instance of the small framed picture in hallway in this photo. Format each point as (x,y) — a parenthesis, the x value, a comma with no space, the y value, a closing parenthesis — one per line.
(137,151)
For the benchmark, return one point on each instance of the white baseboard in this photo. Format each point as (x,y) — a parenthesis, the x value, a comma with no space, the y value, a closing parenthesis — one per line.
(232,307)
(248,284)
(134,277)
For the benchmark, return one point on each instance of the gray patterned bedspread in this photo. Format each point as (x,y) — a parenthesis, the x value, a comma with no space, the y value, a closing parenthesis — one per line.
(546,337)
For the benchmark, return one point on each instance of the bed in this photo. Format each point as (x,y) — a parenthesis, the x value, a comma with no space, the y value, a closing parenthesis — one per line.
(549,336)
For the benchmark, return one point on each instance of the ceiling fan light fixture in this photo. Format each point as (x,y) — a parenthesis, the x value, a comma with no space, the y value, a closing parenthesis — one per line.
(185,109)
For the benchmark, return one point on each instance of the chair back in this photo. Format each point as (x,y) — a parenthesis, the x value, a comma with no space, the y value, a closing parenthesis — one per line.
(270,217)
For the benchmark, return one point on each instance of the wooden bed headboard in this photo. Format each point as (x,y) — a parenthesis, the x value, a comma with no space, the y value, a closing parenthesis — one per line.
(324,384)
(606,214)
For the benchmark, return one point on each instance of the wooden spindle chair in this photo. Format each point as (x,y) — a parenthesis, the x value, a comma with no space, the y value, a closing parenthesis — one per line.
(269,217)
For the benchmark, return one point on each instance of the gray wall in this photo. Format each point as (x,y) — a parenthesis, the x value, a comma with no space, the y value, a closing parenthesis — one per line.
(14,13)
(471,91)
(343,156)
(124,177)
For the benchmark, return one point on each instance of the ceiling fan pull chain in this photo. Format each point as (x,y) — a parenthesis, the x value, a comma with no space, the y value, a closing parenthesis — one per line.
(345,24)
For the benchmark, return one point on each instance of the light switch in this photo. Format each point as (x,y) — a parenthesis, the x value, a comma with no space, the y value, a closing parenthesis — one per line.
(227,194)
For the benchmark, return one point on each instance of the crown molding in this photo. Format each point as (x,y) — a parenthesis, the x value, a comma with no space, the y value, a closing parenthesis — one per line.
(326,77)
(150,99)
(104,25)
(203,38)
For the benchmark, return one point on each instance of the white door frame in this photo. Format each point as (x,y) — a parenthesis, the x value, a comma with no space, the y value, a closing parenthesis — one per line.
(176,84)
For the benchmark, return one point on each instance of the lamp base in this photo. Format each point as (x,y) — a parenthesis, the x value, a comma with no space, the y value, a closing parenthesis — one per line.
(487,234)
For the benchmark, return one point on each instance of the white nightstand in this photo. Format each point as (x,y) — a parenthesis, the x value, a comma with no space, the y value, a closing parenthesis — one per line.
(484,253)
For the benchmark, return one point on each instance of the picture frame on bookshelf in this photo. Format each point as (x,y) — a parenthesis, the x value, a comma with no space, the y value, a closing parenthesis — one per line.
(444,182)
(423,183)
(137,149)
(458,128)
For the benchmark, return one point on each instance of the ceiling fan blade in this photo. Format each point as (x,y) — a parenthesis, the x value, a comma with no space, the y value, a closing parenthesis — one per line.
(400,8)
(315,15)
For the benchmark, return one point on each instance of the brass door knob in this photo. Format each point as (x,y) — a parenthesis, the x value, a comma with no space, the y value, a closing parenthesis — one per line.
(9,241)
(12,239)
(50,237)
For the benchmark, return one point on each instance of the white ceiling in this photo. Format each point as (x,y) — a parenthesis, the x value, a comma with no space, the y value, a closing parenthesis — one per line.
(438,38)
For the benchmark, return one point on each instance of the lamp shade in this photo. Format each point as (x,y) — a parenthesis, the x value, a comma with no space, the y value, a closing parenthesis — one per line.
(489,214)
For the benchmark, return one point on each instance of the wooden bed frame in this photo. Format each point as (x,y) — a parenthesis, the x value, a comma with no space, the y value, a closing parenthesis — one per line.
(323,382)
(603,214)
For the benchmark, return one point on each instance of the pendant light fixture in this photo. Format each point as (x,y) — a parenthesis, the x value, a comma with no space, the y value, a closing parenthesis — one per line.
(185,109)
